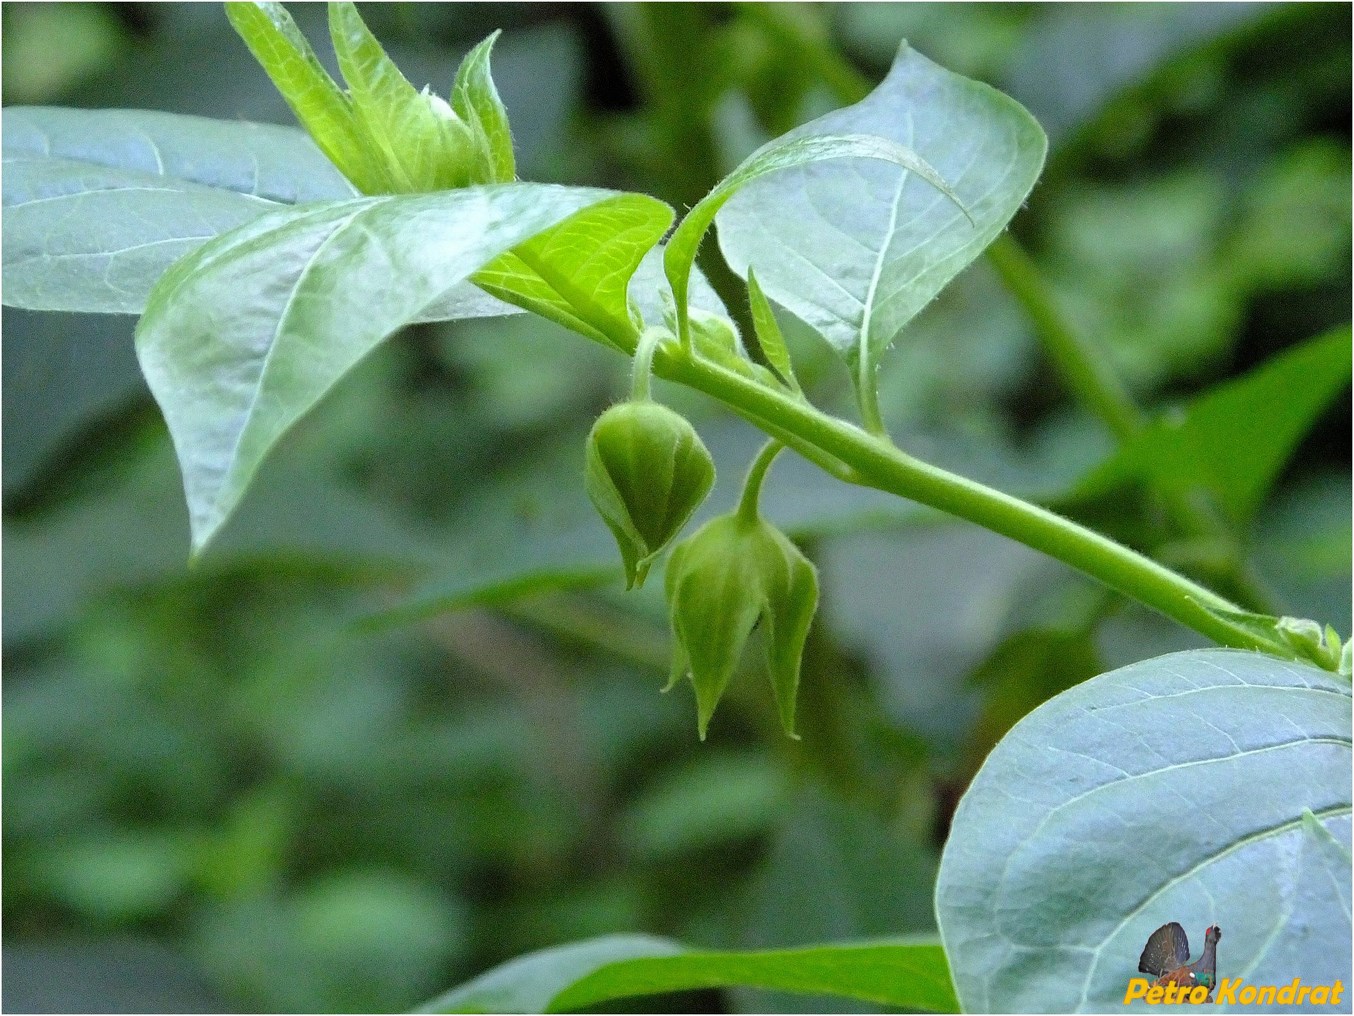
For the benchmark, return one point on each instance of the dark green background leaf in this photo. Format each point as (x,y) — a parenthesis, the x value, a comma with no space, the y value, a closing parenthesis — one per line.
(573,978)
(1232,441)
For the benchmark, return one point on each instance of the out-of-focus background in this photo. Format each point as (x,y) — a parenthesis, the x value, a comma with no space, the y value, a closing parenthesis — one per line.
(222,792)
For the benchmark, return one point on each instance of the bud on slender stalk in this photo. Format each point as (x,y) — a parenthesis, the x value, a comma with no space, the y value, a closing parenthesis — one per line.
(735,571)
(647,471)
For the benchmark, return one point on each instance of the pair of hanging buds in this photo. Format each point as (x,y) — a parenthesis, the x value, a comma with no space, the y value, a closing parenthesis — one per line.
(647,471)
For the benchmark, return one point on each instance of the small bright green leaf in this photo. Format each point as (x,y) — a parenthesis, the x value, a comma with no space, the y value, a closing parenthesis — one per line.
(247,333)
(476,101)
(1176,789)
(320,105)
(572,978)
(578,273)
(769,335)
(1299,638)
(856,248)
(98,203)
(784,153)
(1233,440)
(425,145)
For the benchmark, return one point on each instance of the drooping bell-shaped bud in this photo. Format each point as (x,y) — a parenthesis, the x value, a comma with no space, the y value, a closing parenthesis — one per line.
(732,573)
(647,471)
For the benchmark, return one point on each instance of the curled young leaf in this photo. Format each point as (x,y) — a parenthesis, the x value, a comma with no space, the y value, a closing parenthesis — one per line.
(476,101)
(426,146)
(322,107)
(769,335)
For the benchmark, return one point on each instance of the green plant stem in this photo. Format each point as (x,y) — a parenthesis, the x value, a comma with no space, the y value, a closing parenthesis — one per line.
(867,395)
(642,368)
(1086,372)
(879,464)
(748,503)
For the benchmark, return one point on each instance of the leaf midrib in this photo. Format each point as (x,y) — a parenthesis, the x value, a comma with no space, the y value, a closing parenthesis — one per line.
(278,331)
(1235,845)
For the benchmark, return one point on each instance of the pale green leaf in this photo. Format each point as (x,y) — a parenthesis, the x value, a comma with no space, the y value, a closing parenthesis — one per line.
(98,203)
(1176,789)
(476,101)
(793,150)
(323,109)
(247,333)
(578,273)
(856,248)
(572,978)
(425,145)
(769,335)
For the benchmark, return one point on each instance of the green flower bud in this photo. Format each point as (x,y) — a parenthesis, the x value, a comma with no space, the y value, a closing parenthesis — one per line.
(732,573)
(647,471)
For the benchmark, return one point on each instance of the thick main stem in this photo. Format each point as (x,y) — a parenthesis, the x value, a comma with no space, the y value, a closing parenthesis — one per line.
(881,465)
(1086,372)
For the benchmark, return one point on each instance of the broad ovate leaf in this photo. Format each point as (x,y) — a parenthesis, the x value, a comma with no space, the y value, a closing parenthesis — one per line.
(856,247)
(1205,787)
(251,330)
(784,153)
(98,203)
(583,975)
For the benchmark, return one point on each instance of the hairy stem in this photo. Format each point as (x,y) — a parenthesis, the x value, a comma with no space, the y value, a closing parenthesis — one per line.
(642,367)
(879,464)
(748,509)
(1085,371)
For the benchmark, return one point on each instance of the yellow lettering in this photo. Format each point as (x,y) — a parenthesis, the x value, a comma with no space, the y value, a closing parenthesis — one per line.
(1198,994)
(1288,991)
(1320,994)
(1247,994)
(1154,994)
(1335,992)
(1137,988)
(1227,990)
(1302,994)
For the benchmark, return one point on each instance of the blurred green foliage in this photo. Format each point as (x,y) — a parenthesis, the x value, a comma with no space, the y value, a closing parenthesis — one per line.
(315,817)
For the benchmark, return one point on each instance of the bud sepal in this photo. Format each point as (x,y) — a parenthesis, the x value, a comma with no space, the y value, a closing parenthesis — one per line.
(734,572)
